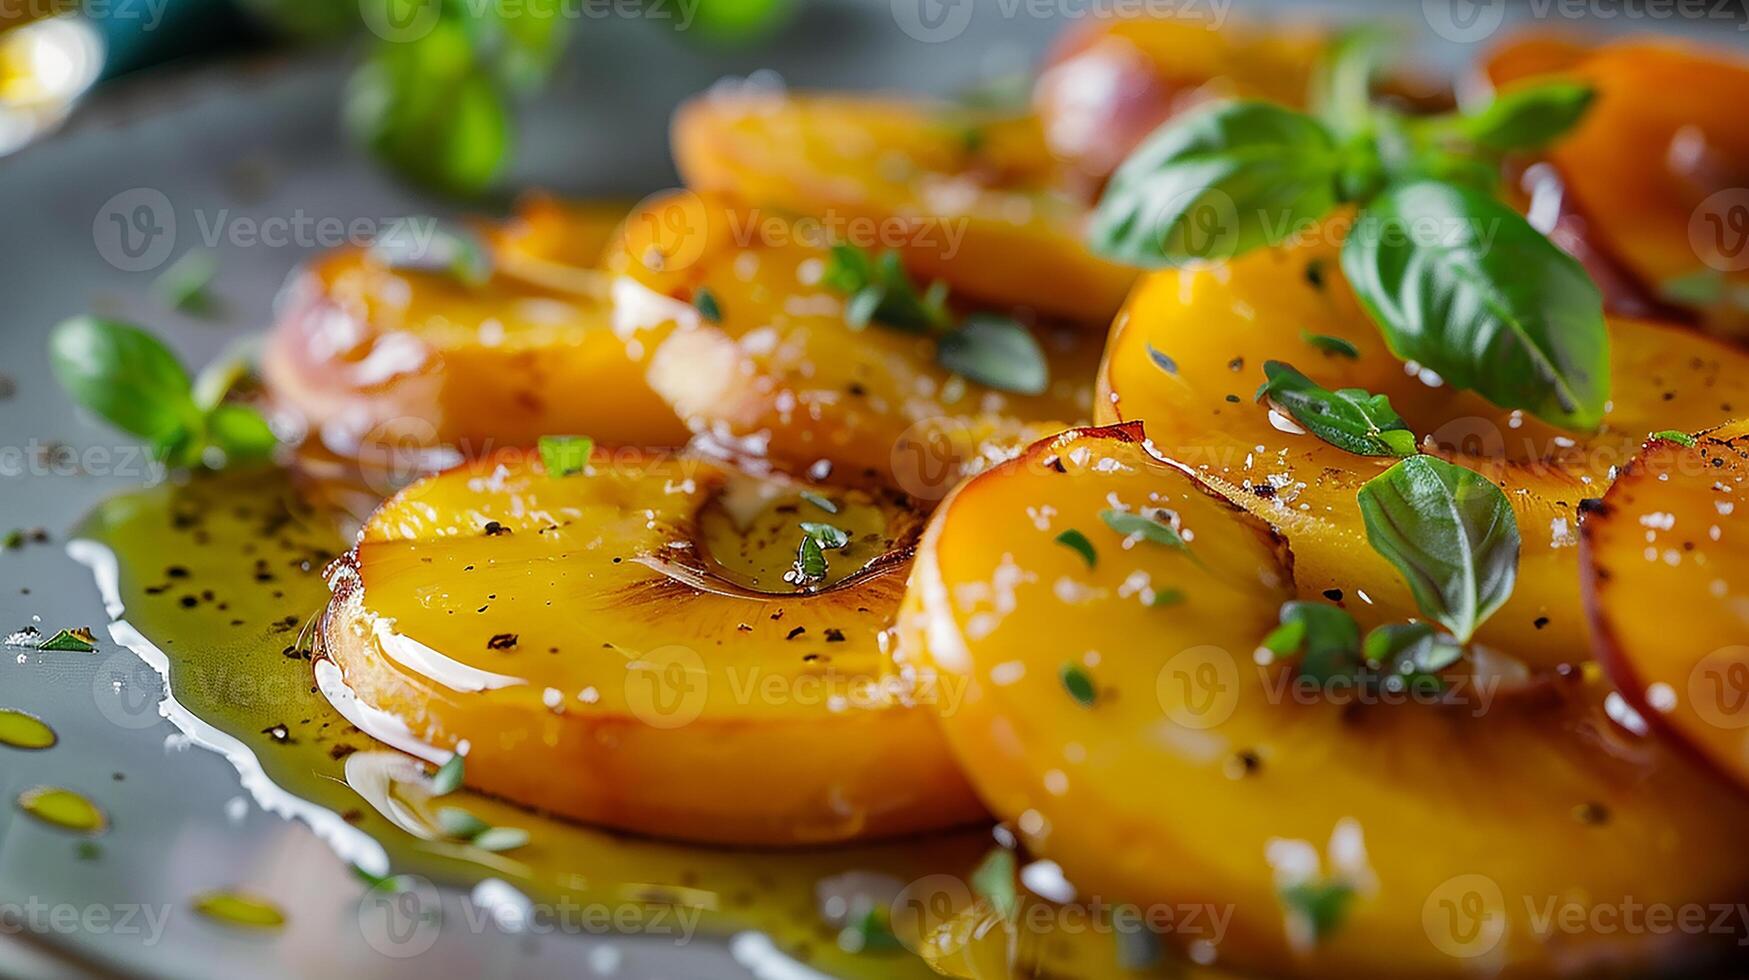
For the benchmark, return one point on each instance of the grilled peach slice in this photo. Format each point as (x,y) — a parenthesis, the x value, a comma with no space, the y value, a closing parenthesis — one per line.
(772,367)
(376,355)
(975,203)
(622,647)
(1187,356)
(1671,529)
(1138,744)
(1656,181)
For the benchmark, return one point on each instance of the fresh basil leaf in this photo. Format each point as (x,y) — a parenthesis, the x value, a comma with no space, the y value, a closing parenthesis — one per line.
(520,42)
(1079,685)
(706,303)
(1452,535)
(128,377)
(1351,419)
(1077,542)
(1216,182)
(432,110)
(996,352)
(1321,905)
(810,565)
(1463,285)
(1334,346)
(1328,638)
(77,640)
(993,881)
(738,21)
(565,455)
(1341,86)
(881,292)
(1150,528)
(1410,648)
(240,433)
(829,537)
(1528,117)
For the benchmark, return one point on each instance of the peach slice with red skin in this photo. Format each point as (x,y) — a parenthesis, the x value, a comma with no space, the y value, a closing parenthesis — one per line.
(776,370)
(1184,772)
(375,356)
(1216,326)
(1672,528)
(620,647)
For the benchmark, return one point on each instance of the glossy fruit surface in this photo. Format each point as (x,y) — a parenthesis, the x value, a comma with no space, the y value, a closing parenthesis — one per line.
(622,647)
(1138,744)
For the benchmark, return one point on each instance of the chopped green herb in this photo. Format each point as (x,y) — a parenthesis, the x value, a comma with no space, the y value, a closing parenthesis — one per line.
(496,839)
(706,302)
(1406,655)
(88,850)
(13,540)
(1150,528)
(380,883)
(1334,346)
(869,931)
(819,501)
(996,352)
(1319,906)
(1671,435)
(77,640)
(1351,419)
(448,777)
(1168,597)
(1450,532)
(1078,542)
(1327,637)
(810,565)
(881,292)
(993,881)
(459,824)
(1079,685)
(565,455)
(829,537)
(183,285)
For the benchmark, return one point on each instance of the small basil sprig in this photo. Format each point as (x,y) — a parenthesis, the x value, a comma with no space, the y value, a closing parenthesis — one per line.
(1450,532)
(994,351)
(1328,638)
(133,381)
(1351,419)
(1394,657)
(1455,280)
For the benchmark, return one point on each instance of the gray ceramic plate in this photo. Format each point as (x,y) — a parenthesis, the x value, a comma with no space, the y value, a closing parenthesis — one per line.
(254,143)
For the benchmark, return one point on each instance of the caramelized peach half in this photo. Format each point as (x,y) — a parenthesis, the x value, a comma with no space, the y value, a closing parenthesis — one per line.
(772,366)
(1186,358)
(1671,529)
(622,647)
(375,355)
(1657,181)
(1138,745)
(975,203)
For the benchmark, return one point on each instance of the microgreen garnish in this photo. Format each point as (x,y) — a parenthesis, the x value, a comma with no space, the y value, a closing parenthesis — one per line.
(565,455)
(1351,419)
(708,307)
(829,537)
(1150,528)
(499,839)
(869,930)
(993,881)
(819,501)
(460,824)
(1334,346)
(1410,655)
(1450,532)
(1672,435)
(183,284)
(1167,597)
(448,777)
(1328,638)
(76,640)
(994,351)
(810,565)
(133,381)
(1079,685)
(1456,281)
(445,251)
(1319,906)
(1078,543)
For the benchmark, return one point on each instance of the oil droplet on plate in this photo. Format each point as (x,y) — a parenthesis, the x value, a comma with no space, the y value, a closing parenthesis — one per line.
(63,808)
(239,909)
(21,731)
